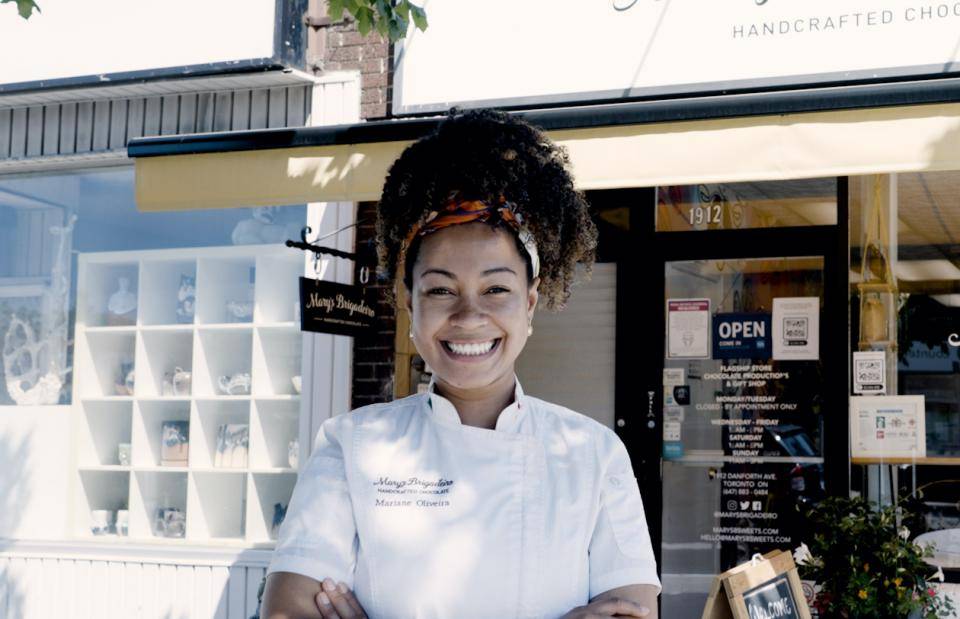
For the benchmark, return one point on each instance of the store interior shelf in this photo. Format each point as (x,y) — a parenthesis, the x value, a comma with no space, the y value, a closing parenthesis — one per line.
(193,389)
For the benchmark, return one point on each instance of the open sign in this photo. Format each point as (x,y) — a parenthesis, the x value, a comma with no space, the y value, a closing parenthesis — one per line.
(742,335)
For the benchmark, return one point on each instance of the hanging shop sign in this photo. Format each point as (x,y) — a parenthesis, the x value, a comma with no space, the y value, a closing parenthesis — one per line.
(492,53)
(888,426)
(742,336)
(331,307)
(688,328)
(870,372)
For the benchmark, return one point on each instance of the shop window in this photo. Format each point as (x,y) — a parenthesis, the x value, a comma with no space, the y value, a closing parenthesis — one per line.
(48,221)
(905,301)
(173,338)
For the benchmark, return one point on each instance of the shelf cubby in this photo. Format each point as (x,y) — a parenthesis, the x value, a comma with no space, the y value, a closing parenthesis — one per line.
(105,425)
(161,354)
(209,415)
(111,349)
(274,425)
(154,490)
(101,490)
(148,428)
(277,359)
(217,505)
(220,352)
(223,281)
(265,491)
(161,281)
(278,287)
(101,280)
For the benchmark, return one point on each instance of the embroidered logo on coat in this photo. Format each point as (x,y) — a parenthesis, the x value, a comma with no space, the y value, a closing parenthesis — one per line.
(396,492)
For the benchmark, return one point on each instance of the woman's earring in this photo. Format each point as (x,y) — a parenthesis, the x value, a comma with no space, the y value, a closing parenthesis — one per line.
(411,333)
(530,329)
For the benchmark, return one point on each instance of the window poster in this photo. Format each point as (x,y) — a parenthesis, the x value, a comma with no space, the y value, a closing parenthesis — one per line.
(688,328)
(739,335)
(888,426)
(796,328)
(870,372)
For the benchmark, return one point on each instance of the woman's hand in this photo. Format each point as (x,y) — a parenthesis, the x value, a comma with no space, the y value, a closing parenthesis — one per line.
(336,601)
(610,607)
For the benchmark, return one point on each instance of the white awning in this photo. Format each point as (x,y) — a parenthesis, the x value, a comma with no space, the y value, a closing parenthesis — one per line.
(785,146)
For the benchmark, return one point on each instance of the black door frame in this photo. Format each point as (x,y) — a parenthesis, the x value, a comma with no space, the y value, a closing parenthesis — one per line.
(641,321)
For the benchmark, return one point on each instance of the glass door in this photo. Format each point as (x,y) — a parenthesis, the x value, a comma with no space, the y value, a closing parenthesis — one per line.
(745,376)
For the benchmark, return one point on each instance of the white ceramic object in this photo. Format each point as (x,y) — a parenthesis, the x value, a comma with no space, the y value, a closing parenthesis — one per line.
(123,454)
(123,522)
(238,384)
(181,381)
(100,521)
(293,454)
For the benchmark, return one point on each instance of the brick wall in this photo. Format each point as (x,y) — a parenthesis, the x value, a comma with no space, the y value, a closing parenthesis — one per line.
(339,47)
(373,355)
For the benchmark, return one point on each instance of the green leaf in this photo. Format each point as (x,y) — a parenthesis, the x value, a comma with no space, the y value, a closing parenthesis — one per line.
(419,17)
(383,26)
(335,10)
(403,9)
(24,7)
(364,20)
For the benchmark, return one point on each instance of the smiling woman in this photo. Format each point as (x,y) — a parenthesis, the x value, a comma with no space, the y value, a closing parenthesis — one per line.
(473,499)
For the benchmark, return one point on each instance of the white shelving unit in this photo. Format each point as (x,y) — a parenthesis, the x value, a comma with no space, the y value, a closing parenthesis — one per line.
(222,505)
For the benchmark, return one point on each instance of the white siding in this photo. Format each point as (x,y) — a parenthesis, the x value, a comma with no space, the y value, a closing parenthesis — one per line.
(36,587)
(69,128)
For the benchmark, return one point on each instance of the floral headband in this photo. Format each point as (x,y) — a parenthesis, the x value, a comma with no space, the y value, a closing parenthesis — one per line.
(459,211)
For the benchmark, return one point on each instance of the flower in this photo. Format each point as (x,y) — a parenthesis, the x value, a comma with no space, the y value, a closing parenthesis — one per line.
(897,581)
(938,574)
(802,555)
(862,594)
(904,532)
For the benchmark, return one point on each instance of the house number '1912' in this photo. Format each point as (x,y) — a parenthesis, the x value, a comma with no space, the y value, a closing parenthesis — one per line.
(710,214)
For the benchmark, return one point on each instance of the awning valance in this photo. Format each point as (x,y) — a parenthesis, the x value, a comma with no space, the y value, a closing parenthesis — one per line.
(896,138)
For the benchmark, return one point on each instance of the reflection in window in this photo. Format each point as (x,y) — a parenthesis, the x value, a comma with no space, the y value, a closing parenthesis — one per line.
(923,254)
(734,206)
(47,220)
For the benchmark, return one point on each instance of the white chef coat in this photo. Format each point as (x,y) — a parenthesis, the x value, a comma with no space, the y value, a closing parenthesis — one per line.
(422,516)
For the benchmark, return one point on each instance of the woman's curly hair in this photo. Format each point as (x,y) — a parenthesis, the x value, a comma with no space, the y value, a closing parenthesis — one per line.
(484,154)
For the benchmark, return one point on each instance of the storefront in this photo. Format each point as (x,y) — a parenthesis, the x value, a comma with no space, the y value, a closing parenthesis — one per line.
(766,209)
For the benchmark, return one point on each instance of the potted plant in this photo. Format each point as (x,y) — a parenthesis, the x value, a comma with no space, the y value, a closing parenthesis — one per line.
(865,564)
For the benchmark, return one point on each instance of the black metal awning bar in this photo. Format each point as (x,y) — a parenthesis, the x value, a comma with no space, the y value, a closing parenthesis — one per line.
(888,94)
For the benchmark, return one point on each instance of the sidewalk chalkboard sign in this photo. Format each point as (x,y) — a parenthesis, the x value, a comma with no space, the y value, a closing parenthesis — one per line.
(329,307)
(771,600)
(766,587)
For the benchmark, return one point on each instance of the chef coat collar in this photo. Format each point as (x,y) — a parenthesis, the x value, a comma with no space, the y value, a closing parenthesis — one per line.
(445,412)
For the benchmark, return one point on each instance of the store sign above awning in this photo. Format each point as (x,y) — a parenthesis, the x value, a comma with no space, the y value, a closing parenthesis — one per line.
(503,52)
